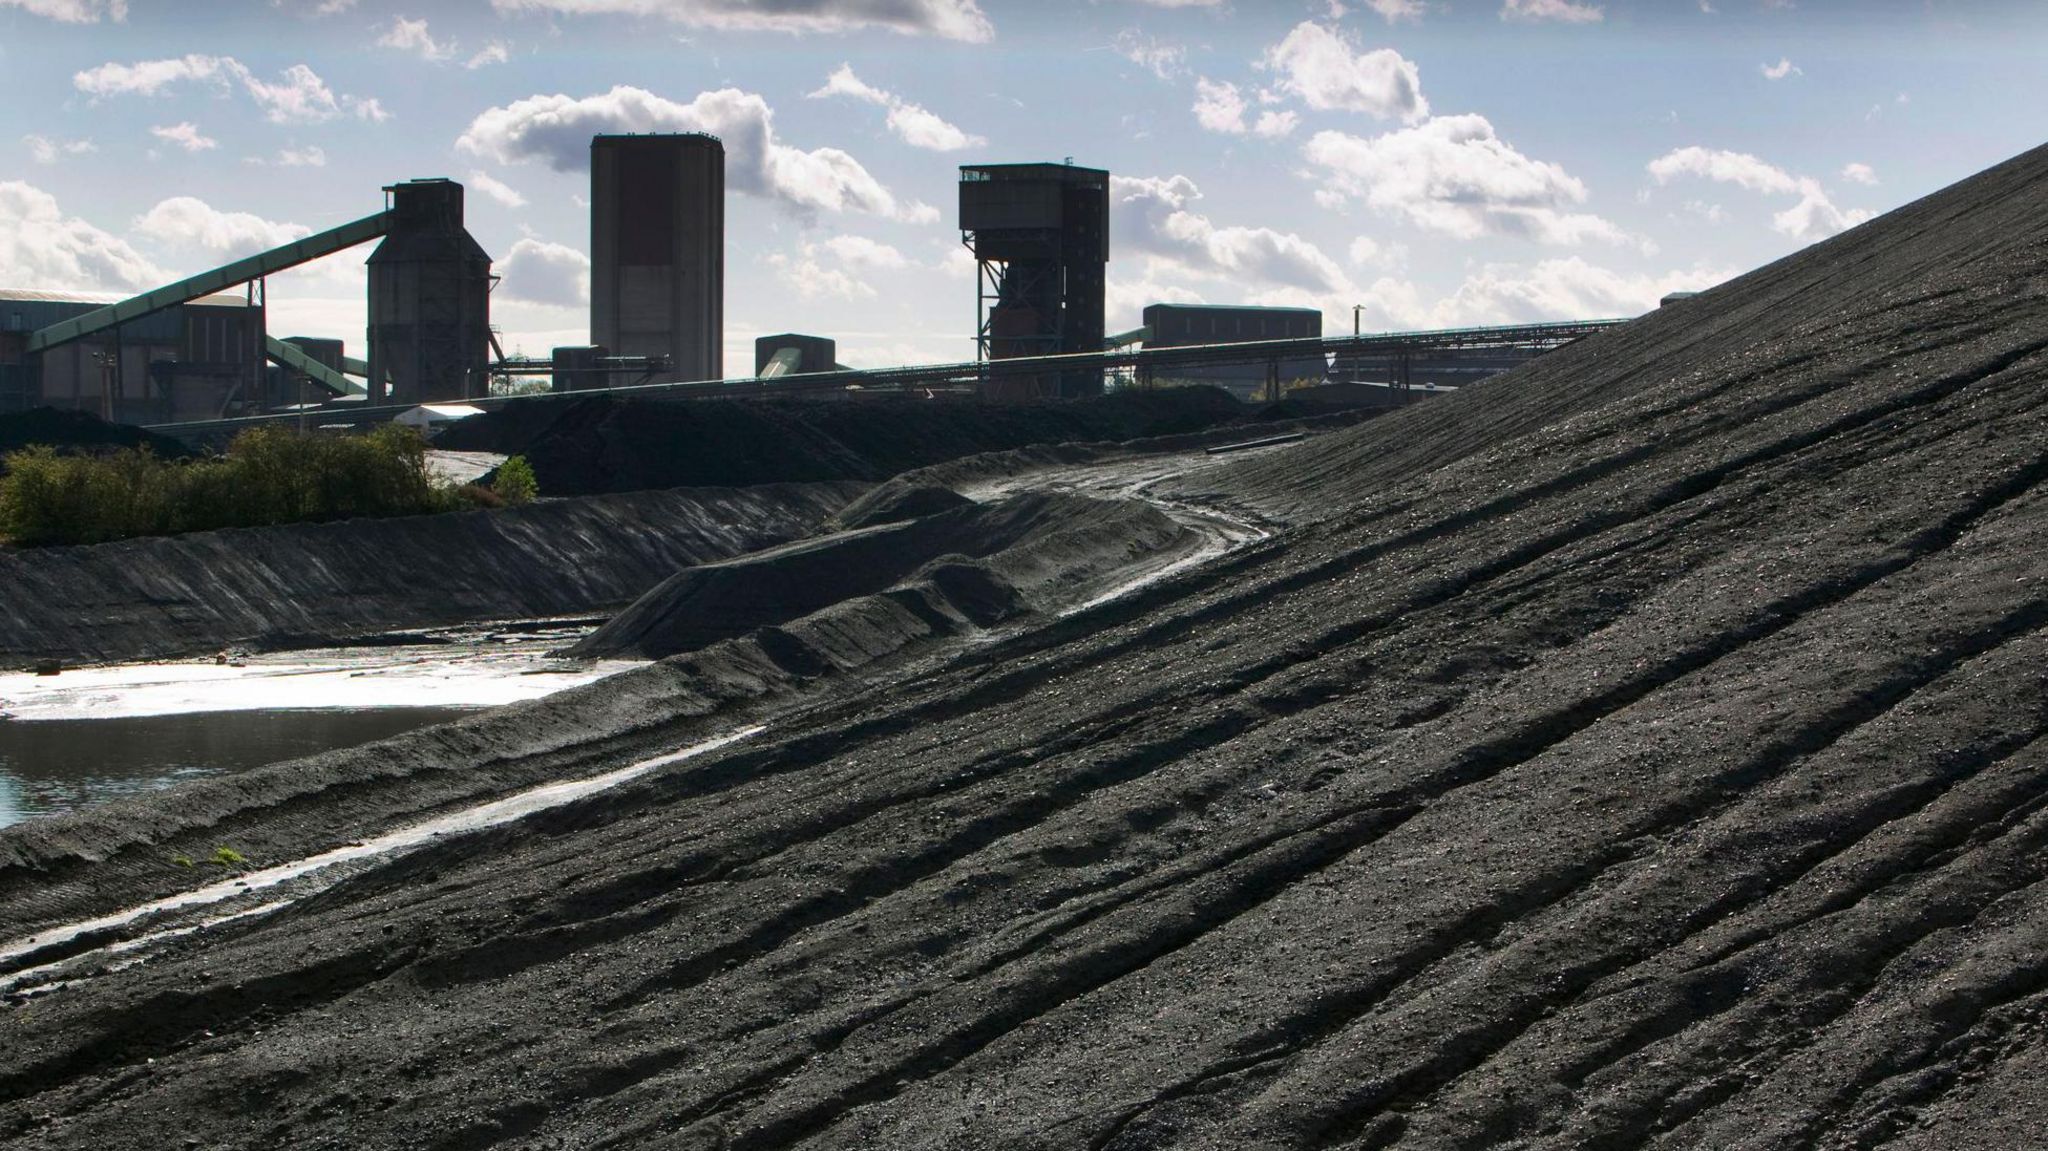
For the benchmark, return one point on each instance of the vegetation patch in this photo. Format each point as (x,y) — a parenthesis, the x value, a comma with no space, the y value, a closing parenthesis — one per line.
(267,476)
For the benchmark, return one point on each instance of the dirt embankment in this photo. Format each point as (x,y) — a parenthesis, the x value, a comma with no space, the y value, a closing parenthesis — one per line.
(1645,748)
(316,584)
(585,446)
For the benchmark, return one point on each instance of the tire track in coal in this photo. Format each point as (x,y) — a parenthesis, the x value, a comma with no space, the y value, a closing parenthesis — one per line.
(1328,1124)
(1793,615)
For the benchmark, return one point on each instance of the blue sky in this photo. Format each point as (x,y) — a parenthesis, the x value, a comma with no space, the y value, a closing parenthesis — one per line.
(1441,162)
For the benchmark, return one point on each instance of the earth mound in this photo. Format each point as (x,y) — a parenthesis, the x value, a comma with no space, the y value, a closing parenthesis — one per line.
(588,446)
(76,431)
(1647,747)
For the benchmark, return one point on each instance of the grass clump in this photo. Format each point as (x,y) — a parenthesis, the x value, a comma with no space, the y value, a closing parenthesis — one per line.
(268,476)
(228,857)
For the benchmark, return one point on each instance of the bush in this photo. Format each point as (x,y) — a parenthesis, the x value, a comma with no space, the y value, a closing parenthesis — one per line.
(268,476)
(516,483)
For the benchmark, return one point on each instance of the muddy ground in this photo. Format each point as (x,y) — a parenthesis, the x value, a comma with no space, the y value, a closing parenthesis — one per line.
(1644,748)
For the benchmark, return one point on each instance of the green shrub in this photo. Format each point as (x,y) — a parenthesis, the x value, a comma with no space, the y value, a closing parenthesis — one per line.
(269,475)
(516,483)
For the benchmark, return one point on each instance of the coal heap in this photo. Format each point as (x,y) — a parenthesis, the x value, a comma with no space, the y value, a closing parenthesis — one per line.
(1643,747)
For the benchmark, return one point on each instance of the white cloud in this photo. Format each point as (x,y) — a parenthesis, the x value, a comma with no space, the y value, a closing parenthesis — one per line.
(1162,60)
(1562,289)
(912,123)
(1563,11)
(188,222)
(1150,216)
(72,11)
(1394,10)
(496,189)
(1814,217)
(495,52)
(1219,106)
(1454,175)
(949,19)
(44,150)
(1275,124)
(540,272)
(1783,68)
(42,247)
(150,77)
(1859,173)
(185,135)
(412,36)
(308,157)
(557,130)
(1182,3)
(298,96)
(1326,70)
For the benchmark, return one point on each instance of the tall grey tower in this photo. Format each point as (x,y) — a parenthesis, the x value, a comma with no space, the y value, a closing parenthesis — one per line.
(657,250)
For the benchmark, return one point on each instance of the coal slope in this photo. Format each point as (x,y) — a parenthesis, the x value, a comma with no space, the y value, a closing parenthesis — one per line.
(1643,749)
(309,585)
(591,445)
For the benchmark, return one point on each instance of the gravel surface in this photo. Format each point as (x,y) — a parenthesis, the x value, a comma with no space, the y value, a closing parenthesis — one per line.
(1643,748)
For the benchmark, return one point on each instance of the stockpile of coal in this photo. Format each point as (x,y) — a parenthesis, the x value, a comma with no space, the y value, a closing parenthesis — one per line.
(1645,747)
(312,585)
(582,447)
(701,605)
(75,431)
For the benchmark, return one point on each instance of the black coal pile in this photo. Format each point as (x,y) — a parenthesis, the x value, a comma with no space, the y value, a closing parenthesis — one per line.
(79,432)
(1647,747)
(590,446)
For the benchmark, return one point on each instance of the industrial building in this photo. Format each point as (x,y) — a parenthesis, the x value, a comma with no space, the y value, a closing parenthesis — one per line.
(1040,238)
(430,309)
(186,352)
(194,361)
(657,250)
(1195,325)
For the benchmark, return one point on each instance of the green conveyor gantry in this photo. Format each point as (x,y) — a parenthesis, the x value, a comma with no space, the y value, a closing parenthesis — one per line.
(207,283)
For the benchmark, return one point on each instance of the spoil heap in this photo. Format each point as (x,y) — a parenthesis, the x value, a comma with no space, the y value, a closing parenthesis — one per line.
(586,446)
(1645,747)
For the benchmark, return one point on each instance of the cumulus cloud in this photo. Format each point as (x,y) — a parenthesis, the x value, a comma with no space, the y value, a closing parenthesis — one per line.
(912,123)
(1562,11)
(557,130)
(40,245)
(948,19)
(1855,173)
(1165,61)
(189,222)
(1563,289)
(297,96)
(44,150)
(1151,216)
(837,266)
(1328,72)
(308,157)
(1454,175)
(185,135)
(540,272)
(412,36)
(72,11)
(1396,10)
(1783,68)
(1221,107)
(1814,217)
(496,189)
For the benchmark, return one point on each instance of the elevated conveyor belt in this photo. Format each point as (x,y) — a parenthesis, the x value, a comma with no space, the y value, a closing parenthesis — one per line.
(206,283)
(296,359)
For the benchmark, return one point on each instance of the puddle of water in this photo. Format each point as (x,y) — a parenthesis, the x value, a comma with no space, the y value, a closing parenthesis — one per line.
(61,765)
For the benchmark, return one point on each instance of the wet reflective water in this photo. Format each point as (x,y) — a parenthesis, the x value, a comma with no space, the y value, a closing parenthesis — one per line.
(52,766)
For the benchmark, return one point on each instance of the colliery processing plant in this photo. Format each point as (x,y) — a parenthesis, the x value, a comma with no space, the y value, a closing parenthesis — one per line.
(199,351)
